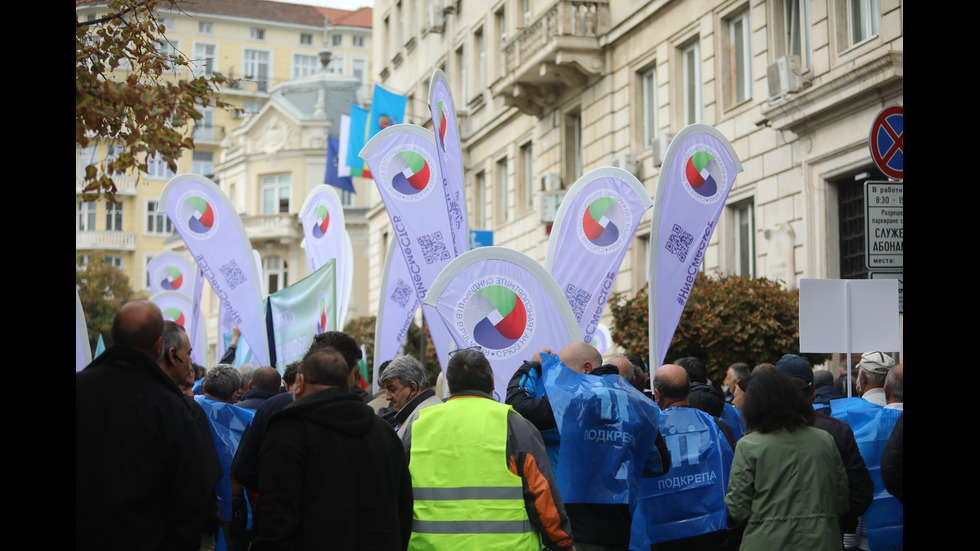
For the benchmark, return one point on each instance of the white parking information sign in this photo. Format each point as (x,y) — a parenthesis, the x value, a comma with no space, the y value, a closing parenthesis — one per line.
(884,223)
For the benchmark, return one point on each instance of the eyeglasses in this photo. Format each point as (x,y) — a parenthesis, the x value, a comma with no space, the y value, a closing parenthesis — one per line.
(476,348)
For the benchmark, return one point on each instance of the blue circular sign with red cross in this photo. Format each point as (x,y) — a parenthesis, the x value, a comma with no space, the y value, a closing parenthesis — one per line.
(887,141)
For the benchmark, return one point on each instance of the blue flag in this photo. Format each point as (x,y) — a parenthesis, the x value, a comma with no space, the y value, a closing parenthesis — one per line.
(331,178)
(387,109)
(356,140)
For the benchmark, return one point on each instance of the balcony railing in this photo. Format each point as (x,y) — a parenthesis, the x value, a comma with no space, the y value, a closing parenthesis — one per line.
(557,52)
(105,240)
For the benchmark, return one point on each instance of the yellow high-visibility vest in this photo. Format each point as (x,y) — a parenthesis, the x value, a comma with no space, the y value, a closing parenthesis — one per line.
(465,496)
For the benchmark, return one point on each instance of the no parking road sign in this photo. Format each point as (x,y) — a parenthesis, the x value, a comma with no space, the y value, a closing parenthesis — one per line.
(886,141)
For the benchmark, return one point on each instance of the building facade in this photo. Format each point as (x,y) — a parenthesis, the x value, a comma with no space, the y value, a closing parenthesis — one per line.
(546,90)
(265,49)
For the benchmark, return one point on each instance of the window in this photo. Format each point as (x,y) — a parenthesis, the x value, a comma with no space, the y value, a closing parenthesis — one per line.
(86,156)
(526,10)
(275,193)
(795,33)
(203,163)
(337,39)
(480,201)
(527,176)
(276,273)
(157,221)
(306,39)
(461,72)
(744,253)
(157,168)
(86,216)
(113,216)
(862,20)
(203,62)
(503,188)
(691,82)
(257,68)
(346,198)
(257,33)
(501,18)
(204,128)
(112,153)
(304,65)
(205,27)
(358,41)
(738,61)
(480,59)
(114,261)
(147,258)
(358,66)
(573,147)
(648,84)
(338,64)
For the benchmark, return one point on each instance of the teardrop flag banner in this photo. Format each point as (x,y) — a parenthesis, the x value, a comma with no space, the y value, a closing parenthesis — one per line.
(504,302)
(403,162)
(449,156)
(396,308)
(592,232)
(171,271)
(213,233)
(696,177)
(324,234)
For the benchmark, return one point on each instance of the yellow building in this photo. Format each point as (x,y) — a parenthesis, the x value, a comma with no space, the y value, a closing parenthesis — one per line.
(259,46)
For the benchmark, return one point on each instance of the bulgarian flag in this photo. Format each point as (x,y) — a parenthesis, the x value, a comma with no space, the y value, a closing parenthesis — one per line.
(364,370)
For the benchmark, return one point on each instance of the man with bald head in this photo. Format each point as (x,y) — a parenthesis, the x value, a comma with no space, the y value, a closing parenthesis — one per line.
(595,525)
(140,480)
(685,510)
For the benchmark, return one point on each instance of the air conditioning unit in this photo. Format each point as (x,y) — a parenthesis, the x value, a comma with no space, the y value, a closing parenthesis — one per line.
(627,162)
(550,201)
(435,22)
(784,76)
(659,145)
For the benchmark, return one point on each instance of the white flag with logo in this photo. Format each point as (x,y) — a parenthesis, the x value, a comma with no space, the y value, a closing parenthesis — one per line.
(507,304)
(593,230)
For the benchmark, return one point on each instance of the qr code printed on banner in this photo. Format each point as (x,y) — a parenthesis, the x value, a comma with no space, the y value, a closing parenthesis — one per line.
(232,273)
(679,242)
(402,293)
(433,248)
(578,298)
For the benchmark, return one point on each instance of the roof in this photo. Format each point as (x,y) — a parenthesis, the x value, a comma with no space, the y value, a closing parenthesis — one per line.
(360,17)
(267,10)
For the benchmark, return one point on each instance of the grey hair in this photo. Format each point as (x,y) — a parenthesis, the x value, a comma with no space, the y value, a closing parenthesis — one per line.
(222,381)
(895,386)
(245,371)
(173,337)
(407,370)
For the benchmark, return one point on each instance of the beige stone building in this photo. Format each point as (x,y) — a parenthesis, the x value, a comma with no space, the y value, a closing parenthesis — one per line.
(547,90)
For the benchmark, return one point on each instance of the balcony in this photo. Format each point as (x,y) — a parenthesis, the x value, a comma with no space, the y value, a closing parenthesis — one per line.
(125,184)
(105,240)
(208,134)
(283,227)
(557,54)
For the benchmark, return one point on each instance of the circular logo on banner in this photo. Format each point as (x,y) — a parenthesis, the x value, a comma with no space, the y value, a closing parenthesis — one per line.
(174,314)
(407,173)
(705,176)
(605,222)
(197,215)
(498,315)
(172,278)
(321,217)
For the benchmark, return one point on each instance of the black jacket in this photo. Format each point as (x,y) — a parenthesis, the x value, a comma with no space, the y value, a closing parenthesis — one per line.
(140,464)
(859,485)
(332,476)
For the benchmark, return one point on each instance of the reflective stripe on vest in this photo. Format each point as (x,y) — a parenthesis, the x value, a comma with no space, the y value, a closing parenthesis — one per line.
(464,492)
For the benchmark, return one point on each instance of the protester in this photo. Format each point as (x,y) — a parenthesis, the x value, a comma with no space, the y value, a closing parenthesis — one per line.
(310,496)
(788,485)
(140,481)
(873,368)
(407,389)
(264,385)
(472,462)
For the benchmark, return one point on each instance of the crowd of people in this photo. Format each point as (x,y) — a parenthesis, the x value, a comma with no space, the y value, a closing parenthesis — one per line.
(584,453)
